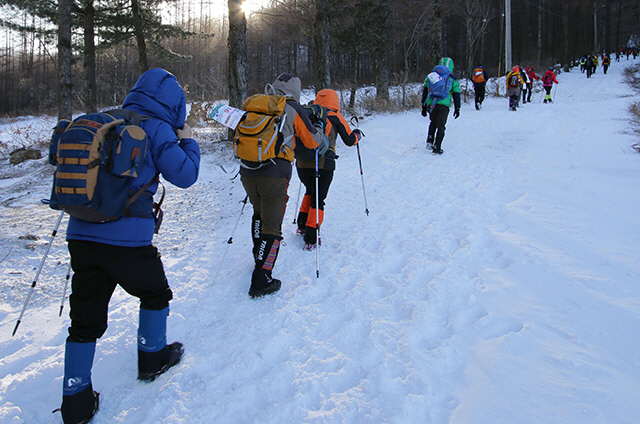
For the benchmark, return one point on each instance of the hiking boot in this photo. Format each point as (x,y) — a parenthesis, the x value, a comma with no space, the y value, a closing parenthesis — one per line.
(437,151)
(302,221)
(312,246)
(300,231)
(545,101)
(430,142)
(261,281)
(263,284)
(80,407)
(153,364)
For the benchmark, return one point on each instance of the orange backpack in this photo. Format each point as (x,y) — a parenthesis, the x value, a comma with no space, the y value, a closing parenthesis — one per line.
(478,75)
(257,138)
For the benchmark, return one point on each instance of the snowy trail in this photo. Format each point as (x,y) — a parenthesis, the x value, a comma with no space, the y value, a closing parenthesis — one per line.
(495,283)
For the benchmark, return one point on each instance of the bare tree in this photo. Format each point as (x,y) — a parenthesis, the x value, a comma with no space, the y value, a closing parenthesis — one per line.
(90,97)
(477,15)
(321,43)
(237,53)
(421,27)
(65,89)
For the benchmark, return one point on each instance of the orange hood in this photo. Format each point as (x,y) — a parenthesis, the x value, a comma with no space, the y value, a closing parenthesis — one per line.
(328,98)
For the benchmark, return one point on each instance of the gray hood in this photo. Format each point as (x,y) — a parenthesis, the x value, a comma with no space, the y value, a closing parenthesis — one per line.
(288,85)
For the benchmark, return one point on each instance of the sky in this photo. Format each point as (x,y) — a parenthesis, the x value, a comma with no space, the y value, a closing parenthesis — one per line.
(496,283)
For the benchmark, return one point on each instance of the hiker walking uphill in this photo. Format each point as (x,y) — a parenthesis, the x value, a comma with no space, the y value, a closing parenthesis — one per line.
(336,126)
(548,79)
(589,66)
(525,84)
(440,87)
(532,77)
(480,79)
(514,85)
(120,252)
(606,61)
(266,182)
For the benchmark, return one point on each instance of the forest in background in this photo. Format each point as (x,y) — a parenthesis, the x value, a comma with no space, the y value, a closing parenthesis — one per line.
(353,42)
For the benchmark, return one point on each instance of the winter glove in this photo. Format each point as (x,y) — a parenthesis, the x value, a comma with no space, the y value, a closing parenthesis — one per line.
(324,146)
(359,133)
(184,132)
(424,110)
(456,114)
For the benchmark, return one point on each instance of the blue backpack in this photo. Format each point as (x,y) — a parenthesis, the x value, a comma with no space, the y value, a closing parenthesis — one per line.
(438,84)
(96,156)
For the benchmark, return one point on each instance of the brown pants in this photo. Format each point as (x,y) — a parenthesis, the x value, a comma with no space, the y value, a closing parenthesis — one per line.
(268,195)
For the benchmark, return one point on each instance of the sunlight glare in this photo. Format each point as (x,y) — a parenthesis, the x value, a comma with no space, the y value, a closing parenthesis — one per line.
(251,6)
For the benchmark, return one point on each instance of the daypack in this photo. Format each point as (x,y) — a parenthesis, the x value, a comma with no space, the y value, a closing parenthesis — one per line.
(96,156)
(438,84)
(547,78)
(258,138)
(478,76)
(513,80)
(318,116)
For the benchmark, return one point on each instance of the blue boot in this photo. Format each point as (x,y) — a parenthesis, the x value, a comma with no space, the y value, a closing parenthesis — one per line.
(155,357)
(79,401)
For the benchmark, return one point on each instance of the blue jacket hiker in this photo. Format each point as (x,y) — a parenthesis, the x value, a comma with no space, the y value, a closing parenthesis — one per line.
(104,255)
(439,109)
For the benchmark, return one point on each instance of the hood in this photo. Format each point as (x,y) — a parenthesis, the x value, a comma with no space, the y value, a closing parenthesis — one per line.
(157,94)
(288,85)
(328,98)
(442,70)
(448,62)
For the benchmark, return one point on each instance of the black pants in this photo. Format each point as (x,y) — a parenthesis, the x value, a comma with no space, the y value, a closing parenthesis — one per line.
(529,91)
(438,117)
(308,178)
(97,270)
(480,92)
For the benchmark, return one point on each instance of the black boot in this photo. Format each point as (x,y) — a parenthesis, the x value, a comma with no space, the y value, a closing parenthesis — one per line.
(256,230)
(430,139)
(80,407)
(302,221)
(153,364)
(261,281)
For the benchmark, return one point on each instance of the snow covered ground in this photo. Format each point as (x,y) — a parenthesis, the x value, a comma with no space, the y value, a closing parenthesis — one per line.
(497,283)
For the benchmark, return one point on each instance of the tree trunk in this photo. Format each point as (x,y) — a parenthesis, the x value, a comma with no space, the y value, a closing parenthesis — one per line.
(565,32)
(65,87)
(90,97)
(143,64)
(540,9)
(321,43)
(237,54)
(382,65)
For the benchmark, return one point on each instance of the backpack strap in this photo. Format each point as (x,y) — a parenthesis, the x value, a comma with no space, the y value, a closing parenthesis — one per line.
(157,211)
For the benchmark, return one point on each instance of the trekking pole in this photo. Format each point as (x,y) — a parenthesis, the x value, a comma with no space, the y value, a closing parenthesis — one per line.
(230,241)
(66,283)
(366,207)
(295,211)
(35,280)
(317,220)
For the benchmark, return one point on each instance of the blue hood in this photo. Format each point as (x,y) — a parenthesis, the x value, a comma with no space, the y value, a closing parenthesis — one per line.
(157,94)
